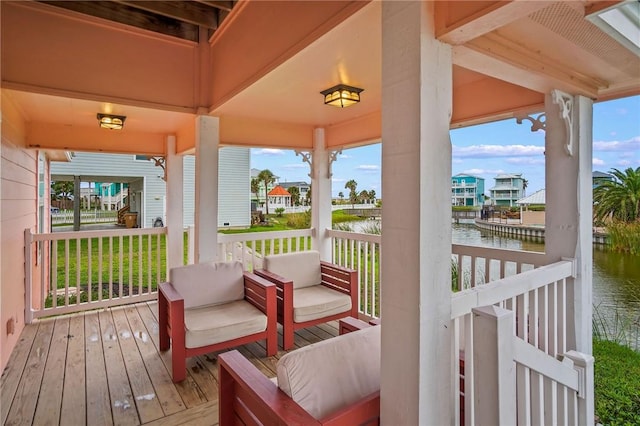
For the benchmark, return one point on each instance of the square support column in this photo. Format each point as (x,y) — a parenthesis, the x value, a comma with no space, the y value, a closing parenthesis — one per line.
(569,204)
(76,203)
(206,203)
(175,197)
(416,376)
(321,195)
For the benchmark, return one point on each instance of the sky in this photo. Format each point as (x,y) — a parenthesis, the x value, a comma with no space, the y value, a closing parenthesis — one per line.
(484,150)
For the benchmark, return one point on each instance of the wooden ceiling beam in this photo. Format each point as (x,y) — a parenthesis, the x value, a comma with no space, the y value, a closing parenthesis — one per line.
(459,22)
(222,5)
(134,17)
(187,11)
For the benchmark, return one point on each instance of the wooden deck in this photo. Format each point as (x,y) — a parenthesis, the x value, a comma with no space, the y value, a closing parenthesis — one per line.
(103,368)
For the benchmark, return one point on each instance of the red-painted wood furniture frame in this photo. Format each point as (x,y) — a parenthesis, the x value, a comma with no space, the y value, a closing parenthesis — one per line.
(257,291)
(248,397)
(339,278)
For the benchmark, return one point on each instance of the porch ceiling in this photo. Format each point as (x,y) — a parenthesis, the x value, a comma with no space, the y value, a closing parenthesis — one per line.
(506,56)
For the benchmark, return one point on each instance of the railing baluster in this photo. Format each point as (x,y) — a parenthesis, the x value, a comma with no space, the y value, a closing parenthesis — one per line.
(149,262)
(100,268)
(110,268)
(120,266)
(66,276)
(130,258)
(89,270)
(140,282)
(54,274)
(78,269)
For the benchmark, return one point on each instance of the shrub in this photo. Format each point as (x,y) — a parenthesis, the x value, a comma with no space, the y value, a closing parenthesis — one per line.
(279,211)
(299,220)
(624,237)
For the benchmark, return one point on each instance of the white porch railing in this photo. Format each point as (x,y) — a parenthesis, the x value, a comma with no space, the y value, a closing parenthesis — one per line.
(92,269)
(250,248)
(86,216)
(538,300)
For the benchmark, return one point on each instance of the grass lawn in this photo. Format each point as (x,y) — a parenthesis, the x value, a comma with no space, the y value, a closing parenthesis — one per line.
(617,383)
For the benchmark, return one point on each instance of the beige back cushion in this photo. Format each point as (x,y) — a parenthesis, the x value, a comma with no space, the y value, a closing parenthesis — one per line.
(302,267)
(208,283)
(350,371)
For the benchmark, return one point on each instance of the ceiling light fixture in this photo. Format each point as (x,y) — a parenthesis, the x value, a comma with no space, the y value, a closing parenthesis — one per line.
(341,95)
(111,122)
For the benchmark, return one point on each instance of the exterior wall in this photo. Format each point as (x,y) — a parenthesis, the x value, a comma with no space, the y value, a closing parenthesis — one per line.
(234,192)
(467,190)
(507,190)
(18,206)
(532,218)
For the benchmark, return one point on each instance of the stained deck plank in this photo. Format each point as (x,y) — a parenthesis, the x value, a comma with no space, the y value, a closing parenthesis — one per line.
(13,371)
(50,397)
(24,403)
(189,392)
(167,394)
(203,415)
(122,404)
(98,400)
(74,396)
(144,395)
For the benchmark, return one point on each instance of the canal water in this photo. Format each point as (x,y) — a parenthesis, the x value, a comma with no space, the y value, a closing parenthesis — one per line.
(616,279)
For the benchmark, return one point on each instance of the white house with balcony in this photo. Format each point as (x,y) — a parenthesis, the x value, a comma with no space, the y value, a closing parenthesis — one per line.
(508,189)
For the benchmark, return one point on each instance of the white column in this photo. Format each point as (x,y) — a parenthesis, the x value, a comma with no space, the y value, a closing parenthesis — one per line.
(76,203)
(206,191)
(569,205)
(416,213)
(321,195)
(175,221)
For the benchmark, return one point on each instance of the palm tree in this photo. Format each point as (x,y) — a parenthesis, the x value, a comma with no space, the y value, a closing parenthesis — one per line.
(295,195)
(255,187)
(267,178)
(372,195)
(525,183)
(619,198)
(351,185)
(341,195)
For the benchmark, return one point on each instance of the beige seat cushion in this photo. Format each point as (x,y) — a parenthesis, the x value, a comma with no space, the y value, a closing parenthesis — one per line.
(302,267)
(208,325)
(318,301)
(351,372)
(208,283)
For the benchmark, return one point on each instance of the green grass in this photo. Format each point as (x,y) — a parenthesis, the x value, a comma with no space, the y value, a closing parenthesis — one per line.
(624,237)
(617,383)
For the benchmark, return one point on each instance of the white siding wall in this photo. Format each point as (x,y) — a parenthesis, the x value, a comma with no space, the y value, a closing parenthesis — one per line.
(233,197)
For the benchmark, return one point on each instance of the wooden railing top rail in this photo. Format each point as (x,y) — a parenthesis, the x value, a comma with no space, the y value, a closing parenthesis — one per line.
(72,235)
(269,235)
(519,256)
(371,238)
(488,294)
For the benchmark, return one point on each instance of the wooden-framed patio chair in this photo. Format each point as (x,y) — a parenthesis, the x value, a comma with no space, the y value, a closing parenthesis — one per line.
(211,306)
(310,291)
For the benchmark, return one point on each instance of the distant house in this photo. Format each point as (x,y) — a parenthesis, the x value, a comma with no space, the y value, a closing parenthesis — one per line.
(279,197)
(114,177)
(508,189)
(259,197)
(303,190)
(467,190)
(598,178)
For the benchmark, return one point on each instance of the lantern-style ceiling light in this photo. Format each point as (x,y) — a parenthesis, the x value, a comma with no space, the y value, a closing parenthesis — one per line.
(111,122)
(341,95)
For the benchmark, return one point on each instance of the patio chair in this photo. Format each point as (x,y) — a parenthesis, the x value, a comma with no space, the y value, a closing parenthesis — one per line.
(310,291)
(333,382)
(212,306)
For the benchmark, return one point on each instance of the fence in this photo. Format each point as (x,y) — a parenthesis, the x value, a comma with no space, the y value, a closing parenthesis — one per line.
(87,216)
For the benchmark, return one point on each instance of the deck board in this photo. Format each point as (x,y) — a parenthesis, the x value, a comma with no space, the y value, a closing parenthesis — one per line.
(13,371)
(50,399)
(74,396)
(102,367)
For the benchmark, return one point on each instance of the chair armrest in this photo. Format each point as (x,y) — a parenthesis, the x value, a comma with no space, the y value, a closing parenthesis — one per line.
(343,269)
(260,293)
(274,278)
(170,293)
(240,379)
(339,278)
(366,411)
(349,324)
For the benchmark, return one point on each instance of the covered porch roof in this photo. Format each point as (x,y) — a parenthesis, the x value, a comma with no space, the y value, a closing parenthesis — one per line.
(270,96)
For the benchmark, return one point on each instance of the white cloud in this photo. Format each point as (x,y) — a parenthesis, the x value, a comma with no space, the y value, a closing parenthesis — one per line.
(338,180)
(345,156)
(490,151)
(629,145)
(621,111)
(528,161)
(613,133)
(368,167)
(456,161)
(295,166)
(597,162)
(624,163)
(483,172)
(268,151)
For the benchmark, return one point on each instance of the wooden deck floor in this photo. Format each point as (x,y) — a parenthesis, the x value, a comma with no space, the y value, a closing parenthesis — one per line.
(104,368)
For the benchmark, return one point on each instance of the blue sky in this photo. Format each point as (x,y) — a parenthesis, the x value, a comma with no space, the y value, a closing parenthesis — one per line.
(484,150)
